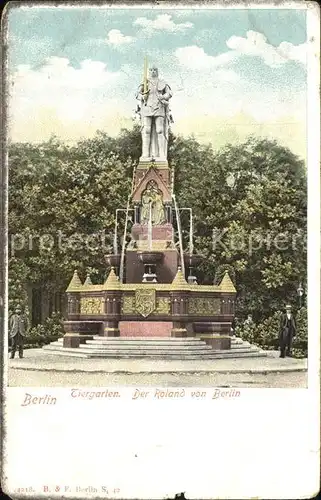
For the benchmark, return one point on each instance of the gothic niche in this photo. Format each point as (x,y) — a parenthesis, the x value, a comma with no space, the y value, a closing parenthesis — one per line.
(152,205)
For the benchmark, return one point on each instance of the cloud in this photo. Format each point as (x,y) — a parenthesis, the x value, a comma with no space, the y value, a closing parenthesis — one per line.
(72,93)
(294,52)
(57,73)
(212,86)
(116,38)
(162,22)
(194,57)
(72,102)
(256,44)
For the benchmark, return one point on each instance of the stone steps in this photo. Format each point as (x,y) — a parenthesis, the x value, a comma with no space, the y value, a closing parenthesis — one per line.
(148,343)
(163,340)
(154,348)
(240,346)
(182,347)
(128,341)
(132,345)
(139,350)
(113,354)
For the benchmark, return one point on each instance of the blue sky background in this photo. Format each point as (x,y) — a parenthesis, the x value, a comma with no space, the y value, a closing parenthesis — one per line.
(232,71)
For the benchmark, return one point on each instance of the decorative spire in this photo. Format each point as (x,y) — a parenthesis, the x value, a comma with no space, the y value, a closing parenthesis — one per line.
(179,282)
(226,284)
(75,283)
(88,280)
(112,282)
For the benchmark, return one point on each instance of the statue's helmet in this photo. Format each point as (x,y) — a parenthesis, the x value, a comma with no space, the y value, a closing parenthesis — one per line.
(153,70)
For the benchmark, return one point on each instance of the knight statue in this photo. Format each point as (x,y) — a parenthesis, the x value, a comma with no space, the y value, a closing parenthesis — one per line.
(154,95)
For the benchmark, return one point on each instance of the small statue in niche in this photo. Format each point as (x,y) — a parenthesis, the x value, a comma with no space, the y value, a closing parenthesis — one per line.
(152,205)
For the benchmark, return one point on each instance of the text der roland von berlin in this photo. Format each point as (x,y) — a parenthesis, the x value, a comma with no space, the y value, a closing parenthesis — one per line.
(136,394)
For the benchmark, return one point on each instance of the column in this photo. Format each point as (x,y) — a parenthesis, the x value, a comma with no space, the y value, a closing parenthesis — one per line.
(72,328)
(179,305)
(110,326)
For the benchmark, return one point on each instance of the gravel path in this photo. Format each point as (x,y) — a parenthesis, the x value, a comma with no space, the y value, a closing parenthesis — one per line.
(38,368)
(24,378)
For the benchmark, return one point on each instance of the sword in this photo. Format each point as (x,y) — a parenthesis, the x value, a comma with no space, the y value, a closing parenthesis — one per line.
(145,81)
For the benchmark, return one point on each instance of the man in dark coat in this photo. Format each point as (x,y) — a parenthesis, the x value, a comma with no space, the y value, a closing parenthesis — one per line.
(287,332)
(18,327)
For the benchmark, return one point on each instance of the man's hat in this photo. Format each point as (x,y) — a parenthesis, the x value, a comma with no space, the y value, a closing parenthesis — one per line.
(288,306)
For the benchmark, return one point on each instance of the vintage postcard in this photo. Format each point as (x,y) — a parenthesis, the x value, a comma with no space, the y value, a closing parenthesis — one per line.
(160,265)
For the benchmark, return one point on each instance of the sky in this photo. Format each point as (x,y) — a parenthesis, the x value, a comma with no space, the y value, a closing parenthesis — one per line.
(233,72)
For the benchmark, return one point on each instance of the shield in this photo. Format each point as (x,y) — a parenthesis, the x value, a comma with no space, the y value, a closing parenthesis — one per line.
(145,301)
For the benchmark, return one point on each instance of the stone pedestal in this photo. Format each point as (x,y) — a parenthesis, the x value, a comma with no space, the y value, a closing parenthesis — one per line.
(179,329)
(161,167)
(78,331)
(213,327)
(71,340)
(110,329)
(217,342)
(190,330)
(215,334)
(145,328)
(163,232)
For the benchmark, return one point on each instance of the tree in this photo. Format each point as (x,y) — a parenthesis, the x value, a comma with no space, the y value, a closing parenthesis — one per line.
(18,279)
(249,204)
(63,199)
(62,203)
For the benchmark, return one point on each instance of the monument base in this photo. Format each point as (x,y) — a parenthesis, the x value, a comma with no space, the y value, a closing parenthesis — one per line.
(71,340)
(217,342)
(148,162)
(145,328)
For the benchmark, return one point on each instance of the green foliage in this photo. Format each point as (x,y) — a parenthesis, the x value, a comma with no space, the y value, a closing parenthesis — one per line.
(50,330)
(266,333)
(250,207)
(247,331)
(300,344)
(62,203)
(18,275)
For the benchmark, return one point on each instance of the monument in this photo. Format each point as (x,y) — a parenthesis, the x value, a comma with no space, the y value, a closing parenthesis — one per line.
(151,290)
(154,95)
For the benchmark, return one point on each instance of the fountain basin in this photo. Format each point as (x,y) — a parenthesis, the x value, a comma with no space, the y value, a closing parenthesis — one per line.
(150,257)
(113,260)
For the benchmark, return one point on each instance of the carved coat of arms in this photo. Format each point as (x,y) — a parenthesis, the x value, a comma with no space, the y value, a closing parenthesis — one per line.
(145,301)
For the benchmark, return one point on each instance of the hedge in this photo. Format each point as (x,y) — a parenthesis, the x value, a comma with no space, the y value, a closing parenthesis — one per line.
(42,334)
(266,333)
